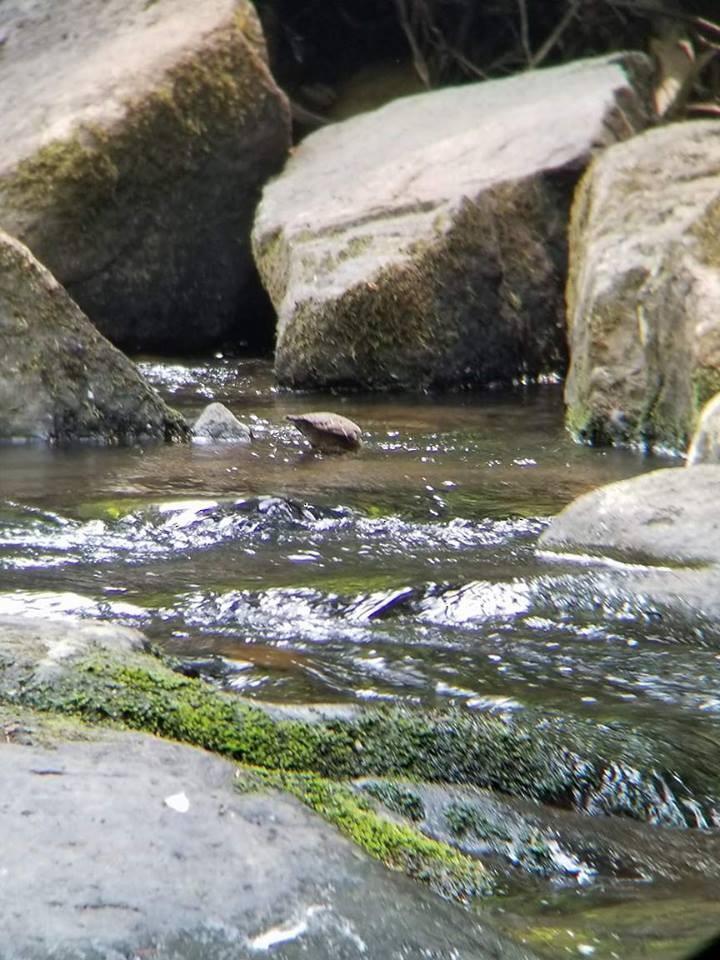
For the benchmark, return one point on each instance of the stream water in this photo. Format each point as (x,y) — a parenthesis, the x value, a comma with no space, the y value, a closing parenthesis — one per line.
(405,572)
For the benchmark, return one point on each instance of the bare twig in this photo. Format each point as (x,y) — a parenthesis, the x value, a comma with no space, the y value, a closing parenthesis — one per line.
(524,31)
(706,109)
(702,24)
(555,36)
(418,59)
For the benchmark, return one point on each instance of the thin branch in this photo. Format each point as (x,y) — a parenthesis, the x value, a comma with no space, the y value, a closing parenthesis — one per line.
(702,24)
(554,37)
(418,59)
(524,31)
(711,109)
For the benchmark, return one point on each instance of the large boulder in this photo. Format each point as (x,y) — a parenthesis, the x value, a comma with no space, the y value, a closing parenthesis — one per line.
(664,524)
(61,380)
(136,137)
(644,288)
(423,244)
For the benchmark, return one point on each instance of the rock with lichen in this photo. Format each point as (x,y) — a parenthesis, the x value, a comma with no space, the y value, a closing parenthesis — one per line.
(136,137)
(644,289)
(61,380)
(423,244)
(705,445)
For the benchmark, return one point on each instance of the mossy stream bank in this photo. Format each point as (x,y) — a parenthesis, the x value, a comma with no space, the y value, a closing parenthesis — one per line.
(384,777)
(585,766)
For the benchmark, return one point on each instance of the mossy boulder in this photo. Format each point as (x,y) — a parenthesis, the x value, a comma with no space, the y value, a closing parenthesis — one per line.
(423,244)
(136,138)
(61,380)
(644,289)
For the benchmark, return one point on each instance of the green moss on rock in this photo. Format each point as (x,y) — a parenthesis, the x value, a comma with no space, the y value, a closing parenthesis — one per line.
(546,759)
(450,873)
(164,134)
(399,799)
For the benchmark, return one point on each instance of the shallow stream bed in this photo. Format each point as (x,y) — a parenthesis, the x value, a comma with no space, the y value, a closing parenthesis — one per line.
(408,573)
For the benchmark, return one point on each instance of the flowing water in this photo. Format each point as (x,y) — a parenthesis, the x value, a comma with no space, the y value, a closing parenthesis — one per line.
(405,572)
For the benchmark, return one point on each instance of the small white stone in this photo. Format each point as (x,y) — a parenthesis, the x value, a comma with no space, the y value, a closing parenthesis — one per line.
(178,802)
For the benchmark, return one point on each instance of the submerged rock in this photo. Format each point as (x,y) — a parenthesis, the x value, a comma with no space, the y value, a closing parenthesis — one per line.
(423,244)
(61,380)
(328,432)
(705,446)
(217,424)
(644,289)
(136,137)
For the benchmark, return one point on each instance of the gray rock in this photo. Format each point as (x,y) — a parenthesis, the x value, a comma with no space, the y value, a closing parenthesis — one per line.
(136,137)
(644,288)
(33,648)
(151,846)
(125,871)
(667,520)
(667,516)
(217,424)
(61,380)
(705,446)
(423,244)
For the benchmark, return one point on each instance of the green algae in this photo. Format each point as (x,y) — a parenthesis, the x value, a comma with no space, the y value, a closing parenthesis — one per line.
(665,926)
(398,846)
(568,762)
(465,818)
(400,800)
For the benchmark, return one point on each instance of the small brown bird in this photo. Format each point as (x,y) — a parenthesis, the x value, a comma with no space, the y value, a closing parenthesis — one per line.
(328,432)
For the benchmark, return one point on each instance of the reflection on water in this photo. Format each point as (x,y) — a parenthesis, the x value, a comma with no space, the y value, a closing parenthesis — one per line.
(405,572)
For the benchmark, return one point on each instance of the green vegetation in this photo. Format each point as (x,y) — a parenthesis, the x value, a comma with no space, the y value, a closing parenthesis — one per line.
(556,761)
(398,799)
(448,872)
(464,818)
(166,134)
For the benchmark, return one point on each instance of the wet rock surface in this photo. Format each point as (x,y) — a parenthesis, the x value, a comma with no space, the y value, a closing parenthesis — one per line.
(137,138)
(423,244)
(518,837)
(149,846)
(61,380)
(217,424)
(668,520)
(644,288)
(705,446)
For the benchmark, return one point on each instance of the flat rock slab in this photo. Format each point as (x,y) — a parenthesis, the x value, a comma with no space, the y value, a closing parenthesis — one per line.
(136,137)
(668,520)
(644,288)
(134,846)
(424,243)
